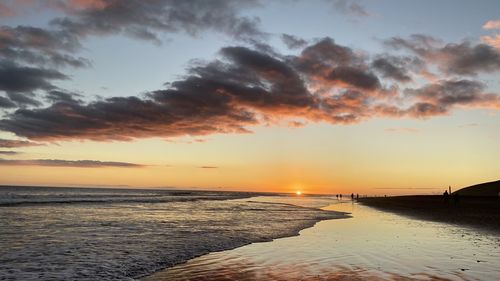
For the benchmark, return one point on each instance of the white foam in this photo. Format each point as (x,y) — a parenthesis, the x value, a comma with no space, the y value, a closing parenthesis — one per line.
(119,240)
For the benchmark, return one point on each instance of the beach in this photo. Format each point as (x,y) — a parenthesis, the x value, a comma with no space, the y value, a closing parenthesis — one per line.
(158,235)
(479,212)
(371,245)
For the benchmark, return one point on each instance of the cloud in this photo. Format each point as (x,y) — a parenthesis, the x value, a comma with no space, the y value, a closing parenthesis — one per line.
(459,59)
(208,167)
(244,87)
(20,83)
(447,93)
(354,77)
(402,130)
(30,57)
(17,143)
(221,97)
(8,152)
(6,103)
(327,64)
(350,7)
(293,42)
(493,41)
(35,45)
(55,96)
(492,24)
(15,78)
(68,163)
(147,20)
(396,68)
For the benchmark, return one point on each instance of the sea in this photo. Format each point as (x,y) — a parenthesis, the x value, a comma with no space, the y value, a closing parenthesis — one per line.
(54,233)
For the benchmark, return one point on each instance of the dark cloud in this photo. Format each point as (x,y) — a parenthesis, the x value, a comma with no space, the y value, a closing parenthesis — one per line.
(426,109)
(326,54)
(16,143)
(459,59)
(350,7)
(450,92)
(68,163)
(30,57)
(6,103)
(208,167)
(8,152)
(396,68)
(355,77)
(293,42)
(55,96)
(222,97)
(468,59)
(417,43)
(329,65)
(440,98)
(24,99)
(16,78)
(246,87)
(40,46)
(148,19)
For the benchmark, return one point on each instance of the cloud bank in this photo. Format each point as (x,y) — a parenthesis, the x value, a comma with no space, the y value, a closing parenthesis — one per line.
(248,84)
(245,87)
(68,163)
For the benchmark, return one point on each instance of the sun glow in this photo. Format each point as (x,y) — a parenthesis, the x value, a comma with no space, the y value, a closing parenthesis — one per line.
(298,193)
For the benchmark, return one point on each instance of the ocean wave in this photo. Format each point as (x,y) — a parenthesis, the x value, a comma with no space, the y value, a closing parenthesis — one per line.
(129,240)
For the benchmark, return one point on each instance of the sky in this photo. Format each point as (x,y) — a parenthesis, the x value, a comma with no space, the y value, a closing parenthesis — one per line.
(322,96)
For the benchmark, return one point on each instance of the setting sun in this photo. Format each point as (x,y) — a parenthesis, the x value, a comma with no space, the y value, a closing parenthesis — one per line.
(298,192)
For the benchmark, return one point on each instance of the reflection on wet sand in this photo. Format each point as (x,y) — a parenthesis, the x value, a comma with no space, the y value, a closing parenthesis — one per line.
(243,271)
(372,245)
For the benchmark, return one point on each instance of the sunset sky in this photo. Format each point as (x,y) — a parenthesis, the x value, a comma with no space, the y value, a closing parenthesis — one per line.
(326,96)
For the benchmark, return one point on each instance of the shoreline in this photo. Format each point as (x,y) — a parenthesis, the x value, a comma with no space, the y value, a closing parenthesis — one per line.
(481,213)
(322,215)
(152,276)
(367,246)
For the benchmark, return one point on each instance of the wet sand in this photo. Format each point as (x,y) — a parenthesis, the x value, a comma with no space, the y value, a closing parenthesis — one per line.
(372,245)
(479,212)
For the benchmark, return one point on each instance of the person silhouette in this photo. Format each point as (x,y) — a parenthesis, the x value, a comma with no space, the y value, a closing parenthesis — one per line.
(352,196)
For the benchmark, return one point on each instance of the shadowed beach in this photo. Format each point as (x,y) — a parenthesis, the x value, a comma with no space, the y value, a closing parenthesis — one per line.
(476,206)
(478,212)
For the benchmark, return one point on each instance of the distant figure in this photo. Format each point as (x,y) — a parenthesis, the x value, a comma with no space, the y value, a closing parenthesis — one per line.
(446,196)
(340,196)
(336,195)
(352,196)
(357,196)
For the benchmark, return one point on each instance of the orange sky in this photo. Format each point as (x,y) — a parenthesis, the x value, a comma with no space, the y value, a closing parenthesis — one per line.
(377,157)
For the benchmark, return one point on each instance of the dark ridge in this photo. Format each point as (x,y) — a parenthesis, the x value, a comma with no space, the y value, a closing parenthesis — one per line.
(489,189)
(476,206)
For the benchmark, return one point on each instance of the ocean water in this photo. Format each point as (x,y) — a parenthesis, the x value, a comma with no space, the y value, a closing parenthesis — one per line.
(371,245)
(108,234)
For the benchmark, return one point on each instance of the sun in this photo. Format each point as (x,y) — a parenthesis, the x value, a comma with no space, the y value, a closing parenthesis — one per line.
(298,193)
